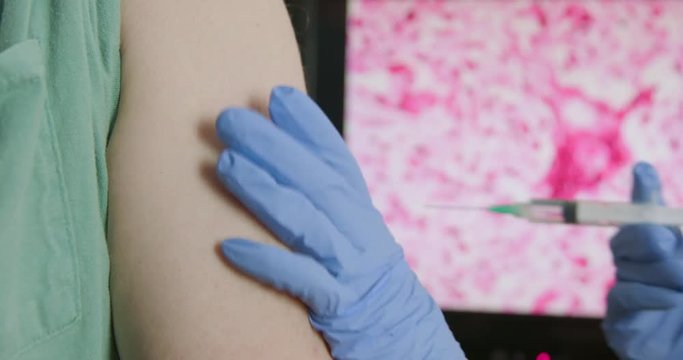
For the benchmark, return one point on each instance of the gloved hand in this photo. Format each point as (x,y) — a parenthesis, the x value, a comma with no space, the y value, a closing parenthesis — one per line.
(297,176)
(645,308)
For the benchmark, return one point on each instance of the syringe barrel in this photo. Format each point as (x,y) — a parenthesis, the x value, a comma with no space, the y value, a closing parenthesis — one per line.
(546,211)
(601,213)
(616,214)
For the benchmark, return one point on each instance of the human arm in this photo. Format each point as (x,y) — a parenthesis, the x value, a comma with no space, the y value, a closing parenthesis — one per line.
(645,307)
(173,298)
(297,176)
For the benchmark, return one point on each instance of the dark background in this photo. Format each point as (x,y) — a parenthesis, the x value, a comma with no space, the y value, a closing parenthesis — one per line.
(320,27)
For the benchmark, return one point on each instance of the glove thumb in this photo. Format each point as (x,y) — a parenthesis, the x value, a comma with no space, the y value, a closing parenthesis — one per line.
(647,188)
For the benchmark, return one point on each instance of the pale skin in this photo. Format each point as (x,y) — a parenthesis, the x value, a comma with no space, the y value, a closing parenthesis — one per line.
(173,297)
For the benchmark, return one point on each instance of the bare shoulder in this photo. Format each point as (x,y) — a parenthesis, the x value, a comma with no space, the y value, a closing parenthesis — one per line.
(173,297)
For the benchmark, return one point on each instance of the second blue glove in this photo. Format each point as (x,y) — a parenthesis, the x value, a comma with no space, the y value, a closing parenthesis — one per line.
(645,308)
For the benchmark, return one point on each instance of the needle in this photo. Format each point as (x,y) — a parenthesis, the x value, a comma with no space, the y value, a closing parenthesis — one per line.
(456,207)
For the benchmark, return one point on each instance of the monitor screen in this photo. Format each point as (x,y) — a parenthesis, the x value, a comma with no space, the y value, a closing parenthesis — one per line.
(473,103)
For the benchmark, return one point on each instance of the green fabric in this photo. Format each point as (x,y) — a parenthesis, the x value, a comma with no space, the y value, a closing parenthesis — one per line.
(59,88)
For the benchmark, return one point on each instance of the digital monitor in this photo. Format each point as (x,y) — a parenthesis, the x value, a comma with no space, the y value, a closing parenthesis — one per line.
(473,103)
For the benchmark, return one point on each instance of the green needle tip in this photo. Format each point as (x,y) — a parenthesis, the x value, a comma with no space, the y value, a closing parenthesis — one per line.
(504,209)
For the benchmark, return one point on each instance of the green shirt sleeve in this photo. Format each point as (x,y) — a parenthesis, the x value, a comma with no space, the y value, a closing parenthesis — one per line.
(59,89)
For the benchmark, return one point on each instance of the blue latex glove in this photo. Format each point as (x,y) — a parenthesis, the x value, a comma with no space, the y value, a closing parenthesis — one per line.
(645,308)
(297,176)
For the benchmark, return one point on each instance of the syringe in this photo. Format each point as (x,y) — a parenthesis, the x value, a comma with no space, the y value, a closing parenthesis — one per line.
(581,212)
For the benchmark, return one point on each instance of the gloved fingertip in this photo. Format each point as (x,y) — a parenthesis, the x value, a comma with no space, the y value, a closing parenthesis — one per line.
(282,90)
(225,126)
(229,119)
(647,187)
(280,100)
(225,162)
(224,118)
(235,248)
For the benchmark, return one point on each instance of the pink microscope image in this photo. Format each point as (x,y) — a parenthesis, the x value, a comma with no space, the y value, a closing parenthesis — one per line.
(476,103)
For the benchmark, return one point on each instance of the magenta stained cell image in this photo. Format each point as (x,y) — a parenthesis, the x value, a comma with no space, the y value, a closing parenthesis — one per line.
(483,102)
